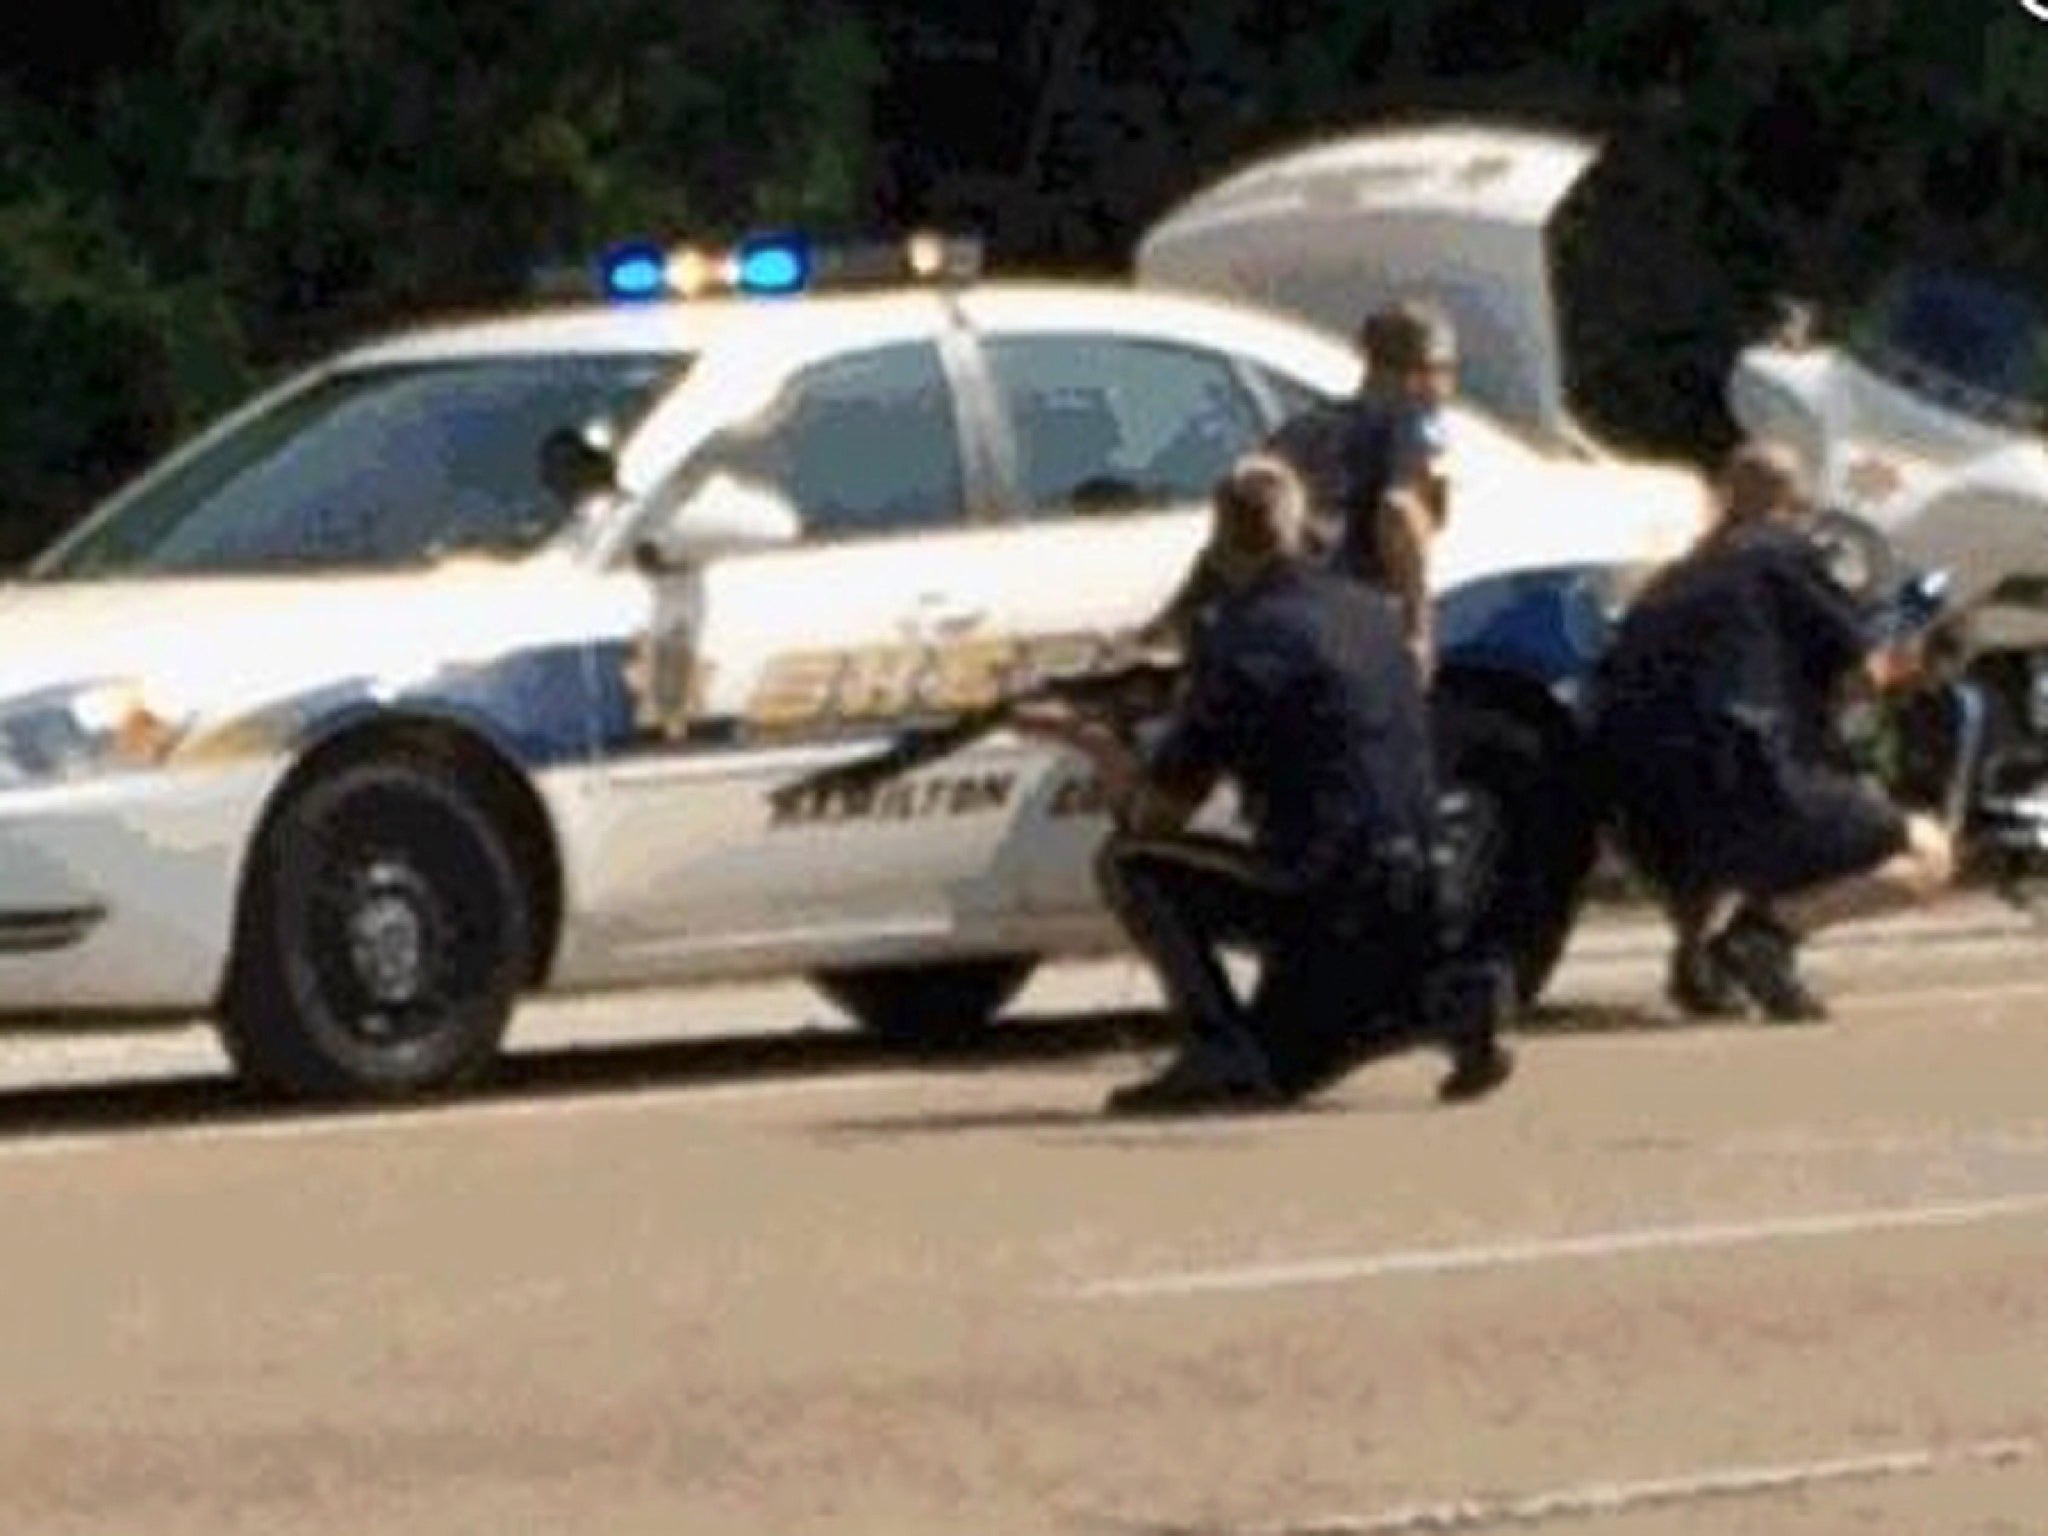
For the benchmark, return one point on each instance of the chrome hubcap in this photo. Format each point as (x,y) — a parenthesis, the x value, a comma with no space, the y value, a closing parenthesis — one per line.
(387,939)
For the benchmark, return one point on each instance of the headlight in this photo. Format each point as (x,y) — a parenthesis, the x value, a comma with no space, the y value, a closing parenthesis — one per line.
(86,729)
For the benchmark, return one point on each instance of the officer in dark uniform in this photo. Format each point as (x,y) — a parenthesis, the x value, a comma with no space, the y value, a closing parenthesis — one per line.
(1715,712)
(1373,466)
(1301,692)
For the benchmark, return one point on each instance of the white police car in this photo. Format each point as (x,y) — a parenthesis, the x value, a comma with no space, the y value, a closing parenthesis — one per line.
(386,700)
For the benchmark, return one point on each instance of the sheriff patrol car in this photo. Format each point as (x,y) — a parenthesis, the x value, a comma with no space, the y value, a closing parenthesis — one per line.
(468,663)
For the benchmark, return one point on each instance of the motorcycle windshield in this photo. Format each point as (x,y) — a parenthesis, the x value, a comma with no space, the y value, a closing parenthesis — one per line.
(1969,343)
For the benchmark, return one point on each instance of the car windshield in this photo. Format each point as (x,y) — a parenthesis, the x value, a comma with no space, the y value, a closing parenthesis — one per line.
(1975,345)
(368,468)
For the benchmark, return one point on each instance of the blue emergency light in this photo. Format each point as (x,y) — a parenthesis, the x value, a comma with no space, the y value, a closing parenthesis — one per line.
(771,264)
(636,270)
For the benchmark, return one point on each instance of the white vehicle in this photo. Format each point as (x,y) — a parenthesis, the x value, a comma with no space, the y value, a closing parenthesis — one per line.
(1923,418)
(388,699)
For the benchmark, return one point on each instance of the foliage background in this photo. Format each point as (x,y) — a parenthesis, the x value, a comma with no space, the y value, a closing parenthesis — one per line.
(214,190)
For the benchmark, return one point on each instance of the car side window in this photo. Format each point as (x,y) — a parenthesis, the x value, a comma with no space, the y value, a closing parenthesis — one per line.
(372,467)
(1110,423)
(1292,396)
(859,444)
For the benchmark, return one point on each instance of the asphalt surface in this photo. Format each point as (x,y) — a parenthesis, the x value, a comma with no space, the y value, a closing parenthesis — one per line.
(709,1262)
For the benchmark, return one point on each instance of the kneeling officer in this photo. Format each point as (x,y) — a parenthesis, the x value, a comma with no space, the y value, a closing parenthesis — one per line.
(1302,690)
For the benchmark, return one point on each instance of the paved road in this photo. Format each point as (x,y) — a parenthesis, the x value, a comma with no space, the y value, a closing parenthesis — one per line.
(729,1275)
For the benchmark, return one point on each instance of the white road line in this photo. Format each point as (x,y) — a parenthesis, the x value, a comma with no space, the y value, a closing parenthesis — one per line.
(1598,1499)
(1596,1245)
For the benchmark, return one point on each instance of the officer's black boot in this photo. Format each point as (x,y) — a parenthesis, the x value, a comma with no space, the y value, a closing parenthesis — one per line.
(1467,1004)
(1763,957)
(1700,985)
(1221,1062)
(1209,1072)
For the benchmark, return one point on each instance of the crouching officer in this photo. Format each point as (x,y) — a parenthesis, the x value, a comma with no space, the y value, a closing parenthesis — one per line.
(1716,717)
(1302,692)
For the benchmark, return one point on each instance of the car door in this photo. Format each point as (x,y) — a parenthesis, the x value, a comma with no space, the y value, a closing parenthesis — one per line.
(1110,441)
(762,666)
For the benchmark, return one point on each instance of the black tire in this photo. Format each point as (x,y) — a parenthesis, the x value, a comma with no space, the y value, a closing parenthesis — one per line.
(375,853)
(1532,828)
(924,1006)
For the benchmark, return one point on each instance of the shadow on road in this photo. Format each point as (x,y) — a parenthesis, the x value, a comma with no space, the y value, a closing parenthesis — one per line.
(71,1107)
(667,1065)
(1122,1130)
(1603,1019)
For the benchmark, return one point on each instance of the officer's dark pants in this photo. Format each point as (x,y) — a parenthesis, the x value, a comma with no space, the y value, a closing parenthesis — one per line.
(1706,810)
(1336,970)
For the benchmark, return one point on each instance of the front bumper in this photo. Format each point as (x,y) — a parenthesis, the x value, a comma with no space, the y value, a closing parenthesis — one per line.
(117,895)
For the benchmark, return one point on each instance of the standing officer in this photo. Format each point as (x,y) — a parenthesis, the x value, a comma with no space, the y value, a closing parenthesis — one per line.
(1301,692)
(1373,467)
(1716,718)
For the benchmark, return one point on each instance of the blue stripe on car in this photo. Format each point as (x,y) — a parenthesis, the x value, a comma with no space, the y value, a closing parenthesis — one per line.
(542,707)
(538,705)
(1550,625)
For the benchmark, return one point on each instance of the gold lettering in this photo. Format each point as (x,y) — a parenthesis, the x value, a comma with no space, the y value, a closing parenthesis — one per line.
(800,688)
(969,675)
(877,682)
(1044,655)
(794,688)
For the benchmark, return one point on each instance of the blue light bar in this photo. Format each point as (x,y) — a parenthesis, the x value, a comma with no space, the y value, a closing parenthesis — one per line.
(779,264)
(772,264)
(637,270)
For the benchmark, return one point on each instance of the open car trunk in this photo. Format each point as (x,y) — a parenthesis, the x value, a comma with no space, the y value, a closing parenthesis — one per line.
(1454,214)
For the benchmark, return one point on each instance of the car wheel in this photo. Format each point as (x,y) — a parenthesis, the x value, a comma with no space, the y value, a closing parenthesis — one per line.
(1524,830)
(382,940)
(927,1005)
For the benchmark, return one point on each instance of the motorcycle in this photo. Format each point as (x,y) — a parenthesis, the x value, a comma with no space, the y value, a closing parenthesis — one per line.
(1944,744)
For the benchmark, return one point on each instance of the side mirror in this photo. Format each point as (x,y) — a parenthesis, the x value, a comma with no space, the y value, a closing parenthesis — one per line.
(725,516)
